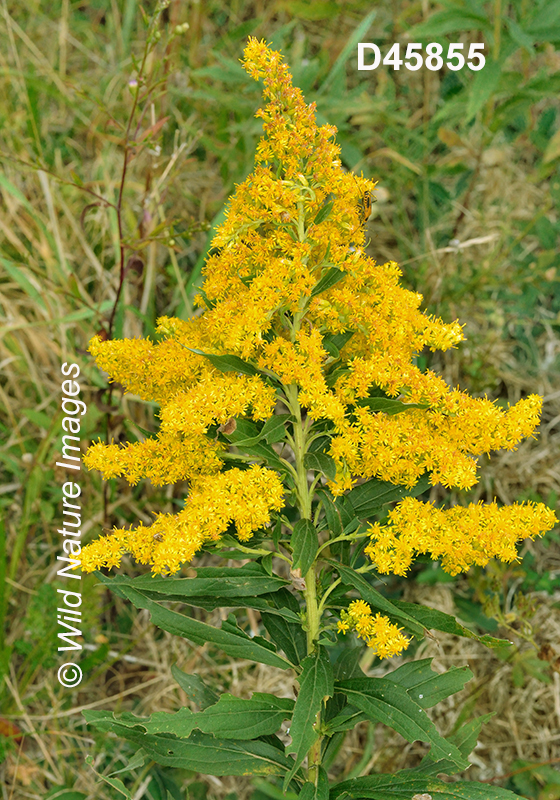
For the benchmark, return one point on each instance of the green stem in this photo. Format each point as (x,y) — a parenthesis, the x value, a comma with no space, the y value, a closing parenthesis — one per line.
(313,617)
(313,620)
(349,538)
(333,585)
(261,552)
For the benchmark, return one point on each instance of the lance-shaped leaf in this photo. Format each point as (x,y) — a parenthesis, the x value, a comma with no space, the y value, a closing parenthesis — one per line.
(210,602)
(465,739)
(274,429)
(250,580)
(346,719)
(195,688)
(426,687)
(230,639)
(320,462)
(200,750)
(286,631)
(245,719)
(381,700)
(439,621)
(408,783)
(227,363)
(387,405)
(316,685)
(340,514)
(305,544)
(376,599)
(331,277)
(231,717)
(288,636)
(334,343)
(346,666)
(323,212)
(370,497)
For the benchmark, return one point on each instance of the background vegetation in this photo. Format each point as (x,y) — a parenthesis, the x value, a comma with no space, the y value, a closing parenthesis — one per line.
(468,203)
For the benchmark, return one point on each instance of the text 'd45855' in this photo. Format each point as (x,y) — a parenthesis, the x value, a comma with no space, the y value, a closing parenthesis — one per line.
(369,56)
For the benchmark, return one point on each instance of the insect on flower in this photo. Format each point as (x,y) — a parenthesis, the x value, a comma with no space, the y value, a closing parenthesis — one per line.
(366,203)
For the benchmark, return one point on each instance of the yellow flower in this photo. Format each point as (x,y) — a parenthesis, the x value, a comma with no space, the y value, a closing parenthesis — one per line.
(380,634)
(460,536)
(245,498)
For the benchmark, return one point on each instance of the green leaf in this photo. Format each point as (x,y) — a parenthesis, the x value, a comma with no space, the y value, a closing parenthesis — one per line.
(431,618)
(305,545)
(377,600)
(408,783)
(466,737)
(319,792)
(387,406)
(483,87)
(339,513)
(246,432)
(236,644)
(267,454)
(201,751)
(338,68)
(451,21)
(249,580)
(17,273)
(519,36)
(59,793)
(426,687)
(333,344)
(264,604)
(347,665)
(115,783)
(287,635)
(346,720)
(231,717)
(323,212)
(138,760)
(547,15)
(368,498)
(319,462)
(195,688)
(316,685)
(382,700)
(328,280)
(228,363)
(245,719)
(274,429)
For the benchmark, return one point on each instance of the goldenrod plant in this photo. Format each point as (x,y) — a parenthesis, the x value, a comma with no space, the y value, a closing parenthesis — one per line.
(293,405)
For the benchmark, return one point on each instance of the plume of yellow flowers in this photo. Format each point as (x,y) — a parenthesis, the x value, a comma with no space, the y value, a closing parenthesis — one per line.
(384,638)
(287,276)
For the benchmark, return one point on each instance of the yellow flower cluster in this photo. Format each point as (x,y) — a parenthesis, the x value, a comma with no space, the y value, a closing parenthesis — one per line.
(301,363)
(381,635)
(165,459)
(460,536)
(443,440)
(297,216)
(152,371)
(244,498)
